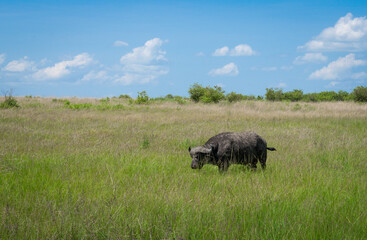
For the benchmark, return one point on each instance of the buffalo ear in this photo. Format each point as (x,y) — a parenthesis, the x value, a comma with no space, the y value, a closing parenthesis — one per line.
(190,149)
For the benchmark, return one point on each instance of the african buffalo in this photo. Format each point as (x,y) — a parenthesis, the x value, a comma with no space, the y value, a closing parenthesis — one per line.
(224,149)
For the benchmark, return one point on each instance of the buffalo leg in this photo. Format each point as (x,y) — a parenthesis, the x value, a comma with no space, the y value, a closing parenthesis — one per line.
(223,166)
(263,160)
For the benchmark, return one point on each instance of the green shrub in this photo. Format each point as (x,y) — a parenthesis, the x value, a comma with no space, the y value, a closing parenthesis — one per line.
(235,97)
(293,96)
(342,96)
(206,95)
(105,100)
(124,96)
(250,97)
(142,98)
(274,94)
(79,106)
(196,92)
(359,94)
(310,97)
(103,107)
(10,101)
(213,95)
(169,96)
(327,96)
(179,99)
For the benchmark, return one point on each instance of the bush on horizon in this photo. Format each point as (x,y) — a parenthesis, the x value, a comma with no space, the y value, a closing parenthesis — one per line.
(206,95)
(10,101)
(359,94)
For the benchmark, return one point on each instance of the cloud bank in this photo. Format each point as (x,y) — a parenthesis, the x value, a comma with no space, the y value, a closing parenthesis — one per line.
(20,65)
(239,50)
(230,69)
(63,68)
(142,65)
(119,43)
(348,34)
(150,52)
(310,58)
(340,69)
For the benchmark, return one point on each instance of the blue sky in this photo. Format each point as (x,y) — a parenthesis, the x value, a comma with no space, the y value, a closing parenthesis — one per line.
(108,48)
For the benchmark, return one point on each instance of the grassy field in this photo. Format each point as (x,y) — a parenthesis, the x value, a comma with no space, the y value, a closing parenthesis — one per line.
(124,172)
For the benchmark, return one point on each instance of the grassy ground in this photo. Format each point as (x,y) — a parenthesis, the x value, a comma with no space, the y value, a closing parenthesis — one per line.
(125,173)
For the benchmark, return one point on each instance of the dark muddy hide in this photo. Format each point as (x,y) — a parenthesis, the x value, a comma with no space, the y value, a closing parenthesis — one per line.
(224,149)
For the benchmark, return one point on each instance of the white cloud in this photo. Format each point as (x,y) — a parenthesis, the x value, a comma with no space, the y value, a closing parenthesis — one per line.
(347,34)
(200,54)
(137,73)
(119,43)
(221,51)
(99,76)
(151,51)
(142,65)
(2,58)
(242,50)
(239,50)
(63,68)
(20,65)
(338,69)
(230,69)
(346,29)
(310,58)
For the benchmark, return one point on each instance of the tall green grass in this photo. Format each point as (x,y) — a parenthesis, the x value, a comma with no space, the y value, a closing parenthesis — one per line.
(125,173)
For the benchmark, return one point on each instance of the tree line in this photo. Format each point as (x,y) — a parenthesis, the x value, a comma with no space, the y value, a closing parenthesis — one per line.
(208,94)
(215,94)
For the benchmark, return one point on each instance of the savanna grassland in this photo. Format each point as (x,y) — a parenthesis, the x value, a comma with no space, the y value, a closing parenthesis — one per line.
(124,172)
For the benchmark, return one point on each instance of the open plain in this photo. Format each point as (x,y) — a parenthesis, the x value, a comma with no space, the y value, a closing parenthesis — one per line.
(124,172)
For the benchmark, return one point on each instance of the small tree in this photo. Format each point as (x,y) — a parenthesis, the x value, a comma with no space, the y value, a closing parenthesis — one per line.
(342,95)
(207,95)
(196,92)
(212,95)
(142,98)
(274,94)
(328,96)
(234,97)
(360,94)
(310,97)
(294,96)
